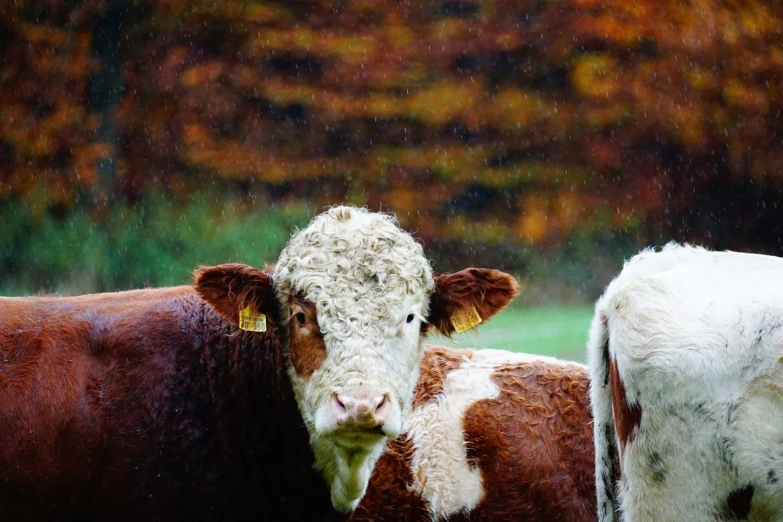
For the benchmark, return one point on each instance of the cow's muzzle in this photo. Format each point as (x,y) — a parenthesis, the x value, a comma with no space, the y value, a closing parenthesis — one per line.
(360,413)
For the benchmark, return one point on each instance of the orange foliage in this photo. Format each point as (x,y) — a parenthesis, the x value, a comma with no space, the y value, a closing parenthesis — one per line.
(569,108)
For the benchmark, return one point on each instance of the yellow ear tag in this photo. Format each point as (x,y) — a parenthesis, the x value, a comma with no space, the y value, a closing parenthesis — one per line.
(465,320)
(250,321)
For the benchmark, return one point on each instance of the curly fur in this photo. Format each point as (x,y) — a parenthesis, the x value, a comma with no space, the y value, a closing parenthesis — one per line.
(365,276)
(353,264)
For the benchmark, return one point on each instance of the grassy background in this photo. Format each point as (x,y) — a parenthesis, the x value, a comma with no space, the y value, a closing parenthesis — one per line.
(552,330)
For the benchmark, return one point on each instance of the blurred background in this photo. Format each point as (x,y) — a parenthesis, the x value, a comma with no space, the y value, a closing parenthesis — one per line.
(551,139)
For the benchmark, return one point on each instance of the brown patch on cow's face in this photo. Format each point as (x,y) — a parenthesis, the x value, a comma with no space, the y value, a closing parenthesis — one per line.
(307,347)
(389,497)
(627,417)
(534,445)
(437,362)
(484,290)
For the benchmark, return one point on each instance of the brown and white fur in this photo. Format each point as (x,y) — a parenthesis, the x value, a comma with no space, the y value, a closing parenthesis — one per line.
(359,293)
(492,435)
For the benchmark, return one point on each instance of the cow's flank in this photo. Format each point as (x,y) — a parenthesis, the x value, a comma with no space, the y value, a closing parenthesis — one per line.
(544,443)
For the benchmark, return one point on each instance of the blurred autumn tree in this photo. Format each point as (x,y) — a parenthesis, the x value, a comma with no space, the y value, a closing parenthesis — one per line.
(499,124)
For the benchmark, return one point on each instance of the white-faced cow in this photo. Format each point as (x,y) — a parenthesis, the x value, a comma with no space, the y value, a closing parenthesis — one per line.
(686,362)
(233,399)
(492,436)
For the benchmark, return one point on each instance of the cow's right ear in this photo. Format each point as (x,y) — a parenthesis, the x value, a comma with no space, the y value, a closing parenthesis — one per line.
(232,287)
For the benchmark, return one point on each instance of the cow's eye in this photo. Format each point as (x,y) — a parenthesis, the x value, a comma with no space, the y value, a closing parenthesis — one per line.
(410,318)
(301,318)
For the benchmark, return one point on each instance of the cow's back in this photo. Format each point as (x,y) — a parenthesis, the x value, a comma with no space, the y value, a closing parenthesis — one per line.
(78,359)
(689,342)
(493,436)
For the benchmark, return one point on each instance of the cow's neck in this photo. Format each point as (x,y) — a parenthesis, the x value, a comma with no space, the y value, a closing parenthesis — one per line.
(346,471)
(248,374)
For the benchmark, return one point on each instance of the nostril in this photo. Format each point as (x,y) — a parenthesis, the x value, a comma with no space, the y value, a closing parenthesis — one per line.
(338,405)
(384,408)
(361,411)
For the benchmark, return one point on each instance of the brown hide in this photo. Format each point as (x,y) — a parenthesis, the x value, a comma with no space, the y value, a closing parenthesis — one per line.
(307,346)
(484,290)
(533,444)
(627,417)
(145,405)
(437,362)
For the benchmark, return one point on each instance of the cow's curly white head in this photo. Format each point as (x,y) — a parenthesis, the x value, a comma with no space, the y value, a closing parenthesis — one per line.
(356,293)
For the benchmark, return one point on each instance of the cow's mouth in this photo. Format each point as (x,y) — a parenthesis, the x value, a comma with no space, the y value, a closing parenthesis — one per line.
(355,437)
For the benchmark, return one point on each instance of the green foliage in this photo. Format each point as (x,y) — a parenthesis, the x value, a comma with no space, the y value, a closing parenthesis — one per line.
(157,241)
(577,271)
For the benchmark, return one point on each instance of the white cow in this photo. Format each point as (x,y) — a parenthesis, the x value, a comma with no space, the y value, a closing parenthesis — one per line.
(686,362)
(359,292)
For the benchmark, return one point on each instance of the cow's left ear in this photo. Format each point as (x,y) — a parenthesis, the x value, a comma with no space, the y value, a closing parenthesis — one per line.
(466,298)
(231,288)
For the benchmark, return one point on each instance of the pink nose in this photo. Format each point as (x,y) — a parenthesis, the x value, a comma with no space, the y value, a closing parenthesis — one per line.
(361,412)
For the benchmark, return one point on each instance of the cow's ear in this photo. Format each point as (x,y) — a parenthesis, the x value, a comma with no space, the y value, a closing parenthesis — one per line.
(466,298)
(232,287)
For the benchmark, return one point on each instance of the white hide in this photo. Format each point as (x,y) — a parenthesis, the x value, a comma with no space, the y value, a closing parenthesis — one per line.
(366,276)
(441,473)
(697,337)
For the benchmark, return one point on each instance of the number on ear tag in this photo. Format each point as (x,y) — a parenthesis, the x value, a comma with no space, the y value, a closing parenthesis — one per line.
(465,320)
(251,321)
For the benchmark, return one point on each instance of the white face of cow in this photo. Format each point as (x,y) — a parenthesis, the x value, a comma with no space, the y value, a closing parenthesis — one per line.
(354,290)
(357,288)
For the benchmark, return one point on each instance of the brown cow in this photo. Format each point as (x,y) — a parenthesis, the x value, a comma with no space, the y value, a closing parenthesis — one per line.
(493,435)
(233,400)
(146,405)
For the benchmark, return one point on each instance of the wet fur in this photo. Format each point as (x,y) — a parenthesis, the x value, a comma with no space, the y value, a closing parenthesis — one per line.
(147,405)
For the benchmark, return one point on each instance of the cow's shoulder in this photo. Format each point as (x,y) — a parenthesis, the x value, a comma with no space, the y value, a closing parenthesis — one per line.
(436,364)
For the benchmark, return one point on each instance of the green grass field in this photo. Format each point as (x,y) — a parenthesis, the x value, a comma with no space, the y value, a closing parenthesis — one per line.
(555,331)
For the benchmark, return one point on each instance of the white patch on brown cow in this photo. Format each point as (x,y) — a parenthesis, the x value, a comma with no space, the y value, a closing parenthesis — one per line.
(441,472)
